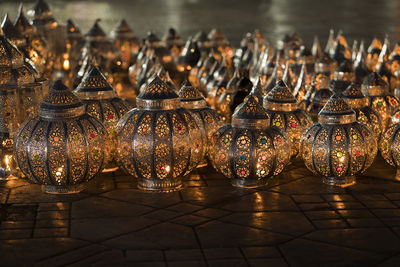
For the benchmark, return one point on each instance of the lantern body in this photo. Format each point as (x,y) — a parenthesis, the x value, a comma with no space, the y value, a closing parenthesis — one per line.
(62,147)
(248,152)
(338,147)
(389,147)
(159,142)
(284,114)
(8,165)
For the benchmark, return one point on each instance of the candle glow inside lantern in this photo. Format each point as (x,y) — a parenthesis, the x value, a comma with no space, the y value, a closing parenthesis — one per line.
(62,148)
(389,147)
(248,151)
(159,142)
(338,147)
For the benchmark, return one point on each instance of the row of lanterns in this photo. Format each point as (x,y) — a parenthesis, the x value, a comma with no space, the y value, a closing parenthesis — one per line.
(263,107)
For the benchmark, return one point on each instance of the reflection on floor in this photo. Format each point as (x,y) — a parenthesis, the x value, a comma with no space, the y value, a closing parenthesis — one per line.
(296,220)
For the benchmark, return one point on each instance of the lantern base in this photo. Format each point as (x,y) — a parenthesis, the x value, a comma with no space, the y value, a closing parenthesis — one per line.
(63,189)
(112,169)
(250,183)
(397,175)
(160,186)
(203,163)
(342,181)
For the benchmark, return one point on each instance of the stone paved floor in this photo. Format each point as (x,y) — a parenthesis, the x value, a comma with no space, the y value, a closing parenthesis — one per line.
(294,221)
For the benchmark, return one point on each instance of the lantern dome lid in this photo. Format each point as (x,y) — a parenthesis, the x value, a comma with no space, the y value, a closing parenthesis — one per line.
(336,111)
(305,52)
(171,35)
(122,31)
(152,37)
(60,102)
(250,114)
(280,98)
(158,95)
(95,31)
(374,84)
(41,7)
(72,29)
(353,91)
(94,86)
(375,46)
(191,97)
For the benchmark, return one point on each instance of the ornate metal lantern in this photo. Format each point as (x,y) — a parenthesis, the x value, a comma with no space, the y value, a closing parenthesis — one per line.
(389,146)
(62,147)
(101,102)
(248,151)
(8,165)
(338,147)
(126,42)
(159,141)
(364,113)
(13,74)
(285,114)
(377,91)
(206,118)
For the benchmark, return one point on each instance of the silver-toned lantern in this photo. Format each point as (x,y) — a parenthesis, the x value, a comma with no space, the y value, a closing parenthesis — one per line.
(285,114)
(248,151)
(101,102)
(364,113)
(159,142)
(62,148)
(389,147)
(206,118)
(338,147)
(380,99)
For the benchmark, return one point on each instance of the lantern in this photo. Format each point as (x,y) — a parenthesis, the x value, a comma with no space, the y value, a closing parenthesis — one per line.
(377,91)
(8,165)
(364,113)
(389,146)
(284,114)
(248,151)
(62,148)
(338,147)
(101,102)
(159,142)
(206,118)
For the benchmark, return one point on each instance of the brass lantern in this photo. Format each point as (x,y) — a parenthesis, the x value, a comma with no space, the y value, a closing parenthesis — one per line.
(248,151)
(389,146)
(338,147)
(380,99)
(62,148)
(207,119)
(364,113)
(159,142)
(285,114)
(101,102)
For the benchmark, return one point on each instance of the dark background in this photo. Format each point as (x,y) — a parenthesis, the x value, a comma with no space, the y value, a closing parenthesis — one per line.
(357,18)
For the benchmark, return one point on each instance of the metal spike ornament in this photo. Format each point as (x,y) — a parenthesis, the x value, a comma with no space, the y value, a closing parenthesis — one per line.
(62,148)
(285,114)
(159,141)
(248,151)
(338,147)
